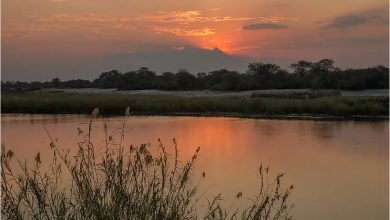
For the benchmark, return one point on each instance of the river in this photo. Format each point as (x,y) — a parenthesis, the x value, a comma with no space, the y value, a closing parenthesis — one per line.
(339,169)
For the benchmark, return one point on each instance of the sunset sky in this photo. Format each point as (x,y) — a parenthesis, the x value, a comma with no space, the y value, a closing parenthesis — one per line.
(43,39)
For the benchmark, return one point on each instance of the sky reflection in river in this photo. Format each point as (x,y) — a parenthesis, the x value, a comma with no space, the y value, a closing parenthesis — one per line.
(339,169)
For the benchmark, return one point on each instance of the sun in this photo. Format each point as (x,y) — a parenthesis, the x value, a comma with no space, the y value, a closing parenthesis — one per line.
(221,43)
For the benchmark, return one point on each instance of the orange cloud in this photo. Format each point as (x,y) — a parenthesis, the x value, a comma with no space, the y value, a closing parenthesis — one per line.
(71,18)
(193,23)
(183,32)
(178,48)
(173,16)
(200,29)
(103,24)
(65,23)
(186,17)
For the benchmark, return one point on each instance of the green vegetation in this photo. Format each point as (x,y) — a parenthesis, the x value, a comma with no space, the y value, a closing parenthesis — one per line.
(305,75)
(121,182)
(60,103)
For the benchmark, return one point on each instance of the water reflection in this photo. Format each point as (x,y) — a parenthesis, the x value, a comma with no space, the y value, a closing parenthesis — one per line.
(340,169)
(324,130)
(267,127)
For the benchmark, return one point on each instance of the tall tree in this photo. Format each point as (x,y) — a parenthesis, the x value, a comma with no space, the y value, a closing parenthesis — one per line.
(324,65)
(109,79)
(264,69)
(302,67)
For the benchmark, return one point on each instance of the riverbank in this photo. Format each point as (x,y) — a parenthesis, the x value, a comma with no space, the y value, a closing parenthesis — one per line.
(330,107)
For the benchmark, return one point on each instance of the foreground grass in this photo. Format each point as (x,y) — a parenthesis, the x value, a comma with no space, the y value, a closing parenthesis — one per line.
(57,103)
(118,182)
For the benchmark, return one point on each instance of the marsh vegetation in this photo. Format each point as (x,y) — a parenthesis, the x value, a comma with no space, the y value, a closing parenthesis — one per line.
(141,104)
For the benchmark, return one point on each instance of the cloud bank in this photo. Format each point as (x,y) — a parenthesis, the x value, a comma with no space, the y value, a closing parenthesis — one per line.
(347,21)
(263,26)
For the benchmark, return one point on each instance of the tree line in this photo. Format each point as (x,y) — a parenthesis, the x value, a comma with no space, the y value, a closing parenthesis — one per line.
(304,75)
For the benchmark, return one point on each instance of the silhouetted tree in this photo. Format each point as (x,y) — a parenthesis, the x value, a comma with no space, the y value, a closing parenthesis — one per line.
(56,82)
(319,75)
(324,65)
(168,81)
(262,74)
(185,80)
(77,83)
(264,69)
(302,67)
(109,79)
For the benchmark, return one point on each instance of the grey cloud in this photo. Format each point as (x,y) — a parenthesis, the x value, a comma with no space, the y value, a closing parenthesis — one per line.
(190,58)
(339,42)
(376,16)
(347,21)
(261,26)
(159,59)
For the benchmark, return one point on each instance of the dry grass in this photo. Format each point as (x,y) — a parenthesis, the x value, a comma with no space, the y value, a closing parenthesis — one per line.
(119,182)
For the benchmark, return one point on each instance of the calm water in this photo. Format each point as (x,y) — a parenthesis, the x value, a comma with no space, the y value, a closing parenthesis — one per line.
(339,169)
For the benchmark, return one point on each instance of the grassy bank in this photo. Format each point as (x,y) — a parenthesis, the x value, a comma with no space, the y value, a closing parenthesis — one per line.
(60,103)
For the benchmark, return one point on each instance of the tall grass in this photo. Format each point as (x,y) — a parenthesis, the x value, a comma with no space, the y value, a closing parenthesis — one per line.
(171,104)
(122,182)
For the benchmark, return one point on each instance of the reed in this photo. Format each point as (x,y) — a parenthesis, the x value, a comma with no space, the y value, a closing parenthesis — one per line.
(119,182)
(171,105)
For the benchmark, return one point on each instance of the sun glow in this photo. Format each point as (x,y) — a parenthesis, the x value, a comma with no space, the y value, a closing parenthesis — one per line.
(223,43)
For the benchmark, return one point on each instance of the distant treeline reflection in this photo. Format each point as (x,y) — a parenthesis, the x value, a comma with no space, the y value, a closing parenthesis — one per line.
(304,75)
